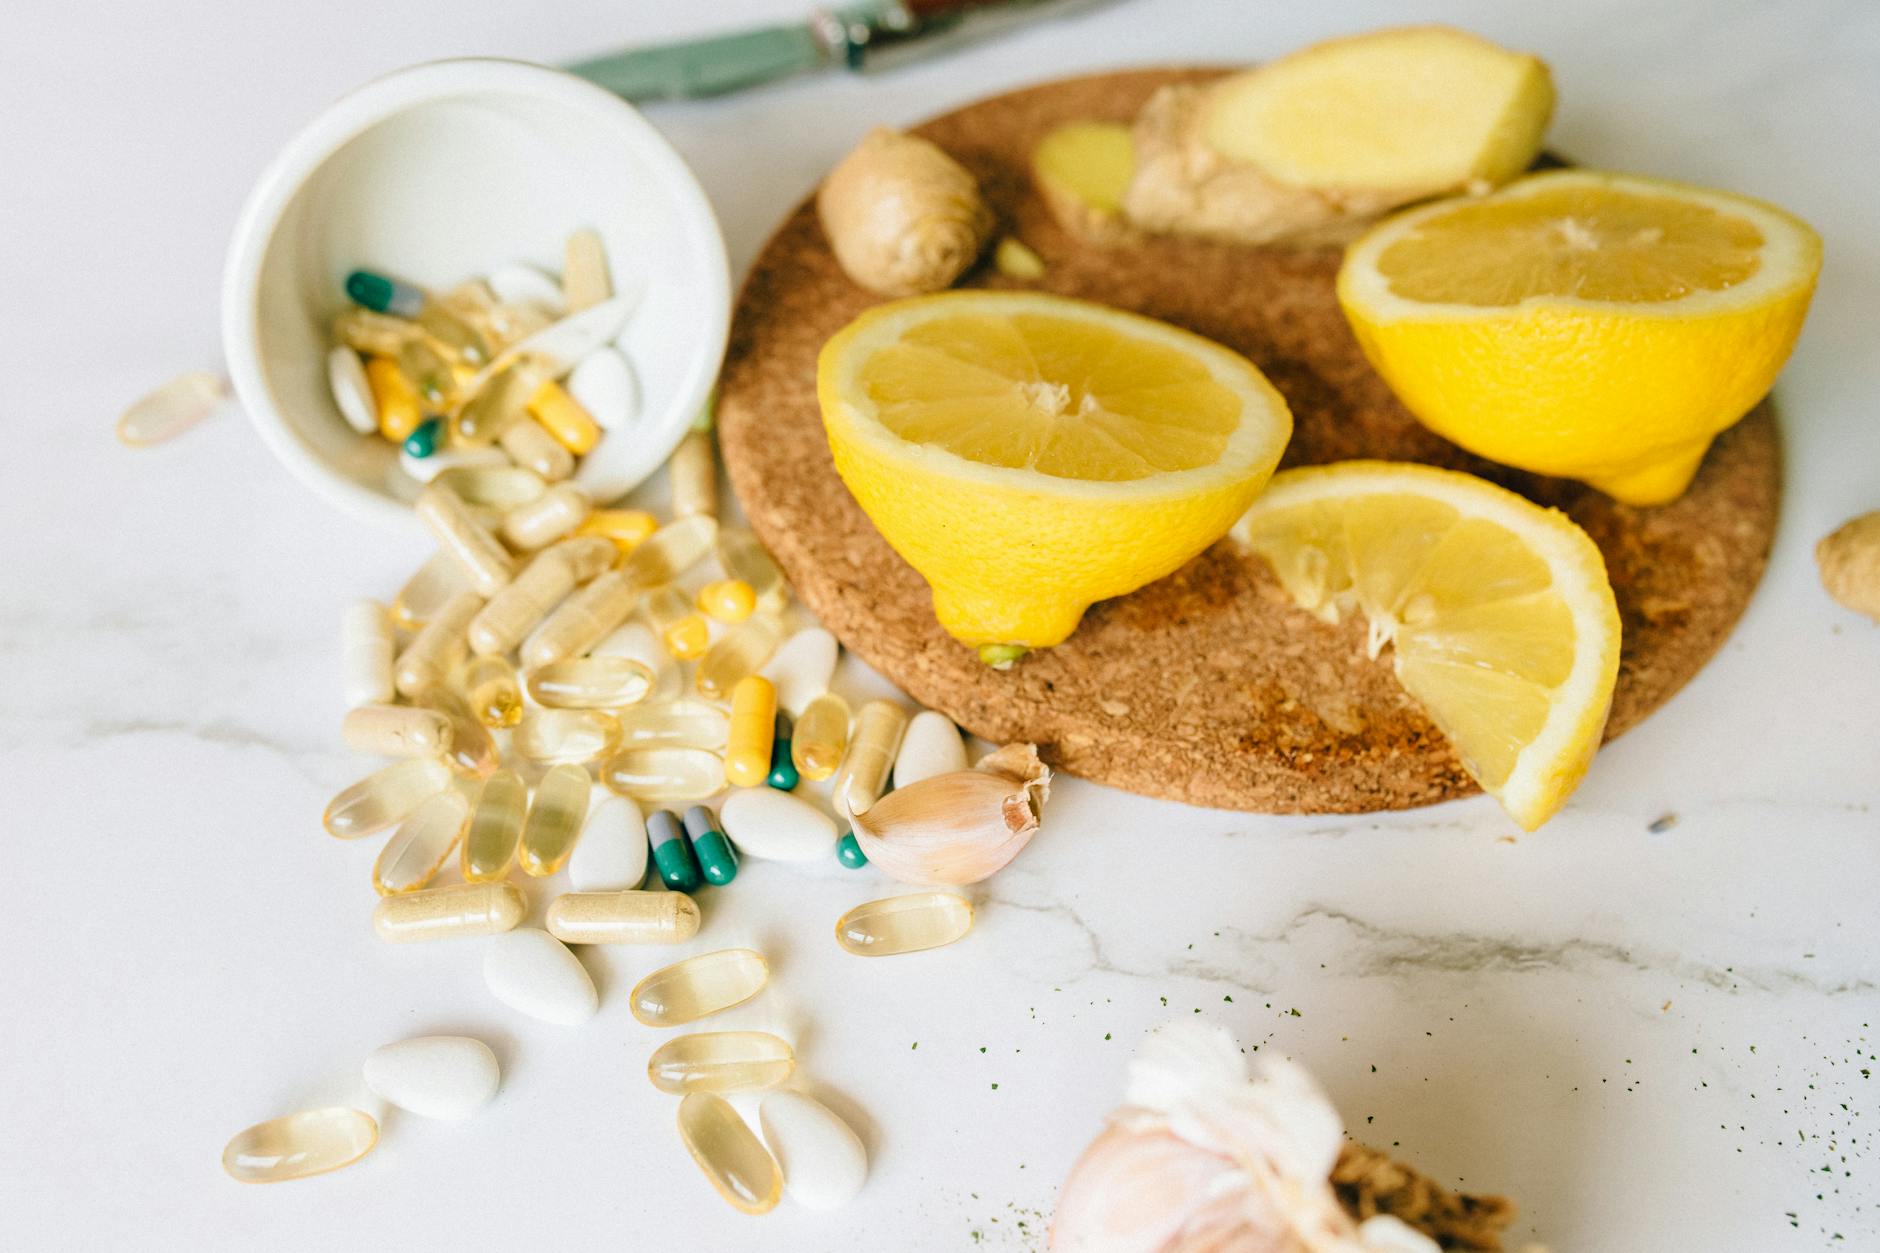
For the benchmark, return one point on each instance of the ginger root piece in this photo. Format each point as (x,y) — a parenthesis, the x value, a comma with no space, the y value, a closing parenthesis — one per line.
(1850,564)
(1082,170)
(1315,143)
(903,217)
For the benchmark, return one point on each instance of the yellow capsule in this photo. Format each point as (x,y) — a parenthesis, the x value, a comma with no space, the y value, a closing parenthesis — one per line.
(555,736)
(500,399)
(740,651)
(663,776)
(384,797)
(747,560)
(479,554)
(627,528)
(492,692)
(721,1061)
(562,416)
(864,772)
(693,472)
(626,917)
(400,410)
(438,647)
(295,1146)
(492,486)
(553,573)
(555,816)
(699,987)
(679,627)
(427,591)
(670,551)
(396,731)
(821,737)
(734,1160)
(583,620)
(495,827)
(904,924)
(730,601)
(753,731)
(533,448)
(683,723)
(422,844)
(590,683)
(585,280)
(472,750)
(461,909)
(549,517)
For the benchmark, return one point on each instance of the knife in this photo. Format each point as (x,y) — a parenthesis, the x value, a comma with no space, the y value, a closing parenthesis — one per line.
(870,36)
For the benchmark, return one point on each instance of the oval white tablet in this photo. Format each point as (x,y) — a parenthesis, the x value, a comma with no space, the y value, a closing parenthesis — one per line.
(802,667)
(823,1161)
(533,973)
(346,374)
(435,1076)
(931,746)
(610,856)
(764,822)
(604,384)
(520,283)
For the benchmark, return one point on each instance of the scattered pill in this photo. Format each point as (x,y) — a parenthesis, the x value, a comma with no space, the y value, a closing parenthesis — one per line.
(627,528)
(428,375)
(610,854)
(749,562)
(423,441)
(171,409)
(547,518)
(427,591)
(776,826)
(556,812)
(801,668)
(462,909)
(670,551)
(492,691)
(721,1061)
(731,1156)
(717,860)
(783,773)
(495,828)
(560,344)
(407,300)
(692,474)
(422,844)
(395,731)
(367,643)
(849,852)
(904,924)
(589,683)
(753,731)
(434,1076)
(683,723)
(500,398)
(673,858)
(737,653)
(562,416)
(384,797)
(394,399)
(489,484)
(352,391)
(583,620)
(531,446)
(863,775)
(553,736)
(605,385)
(637,640)
(931,746)
(681,628)
(623,917)
(729,601)
(822,1159)
(585,280)
(472,749)
(663,776)
(521,283)
(699,986)
(295,1146)
(532,595)
(480,555)
(435,651)
(820,738)
(532,972)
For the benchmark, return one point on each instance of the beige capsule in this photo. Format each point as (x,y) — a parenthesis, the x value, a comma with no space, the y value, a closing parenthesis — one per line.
(549,517)
(472,749)
(481,556)
(462,909)
(581,621)
(426,592)
(396,731)
(671,550)
(438,647)
(555,572)
(585,281)
(535,449)
(492,486)
(628,917)
(694,474)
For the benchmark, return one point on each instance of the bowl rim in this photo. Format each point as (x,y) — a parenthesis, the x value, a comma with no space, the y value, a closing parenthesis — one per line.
(366,106)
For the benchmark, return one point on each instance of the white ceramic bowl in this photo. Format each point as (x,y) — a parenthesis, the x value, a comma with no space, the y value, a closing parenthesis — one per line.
(441,172)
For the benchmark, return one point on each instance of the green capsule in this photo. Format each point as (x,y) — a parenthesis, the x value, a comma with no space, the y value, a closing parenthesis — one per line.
(850,853)
(423,441)
(716,858)
(783,775)
(672,852)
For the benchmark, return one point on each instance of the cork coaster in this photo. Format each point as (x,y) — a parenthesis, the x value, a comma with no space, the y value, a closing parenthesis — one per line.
(1205,687)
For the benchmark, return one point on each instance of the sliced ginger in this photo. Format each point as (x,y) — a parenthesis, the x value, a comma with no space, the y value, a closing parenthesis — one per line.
(1082,170)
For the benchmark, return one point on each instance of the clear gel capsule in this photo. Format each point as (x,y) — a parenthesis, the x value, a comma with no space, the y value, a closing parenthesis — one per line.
(438,647)
(555,816)
(670,551)
(396,731)
(495,827)
(367,644)
(904,924)
(753,731)
(384,797)
(663,776)
(747,560)
(681,628)
(174,407)
(562,416)
(721,1061)
(533,448)
(693,474)
(625,917)
(590,683)
(549,517)
(422,844)
(699,986)
(492,691)
(472,750)
(295,1146)
(741,651)
(582,621)
(733,1159)
(681,724)
(585,280)
(462,909)
(820,737)
(555,736)
(636,639)
(492,486)
(864,772)
(427,591)
(479,554)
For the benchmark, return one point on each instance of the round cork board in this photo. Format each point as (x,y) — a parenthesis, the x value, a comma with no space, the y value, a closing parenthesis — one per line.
(1205,687)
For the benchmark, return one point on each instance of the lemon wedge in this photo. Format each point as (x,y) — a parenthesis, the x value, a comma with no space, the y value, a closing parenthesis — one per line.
(1500,618)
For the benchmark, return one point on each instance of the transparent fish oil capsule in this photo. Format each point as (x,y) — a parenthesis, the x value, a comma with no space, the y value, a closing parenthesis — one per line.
(745,559)
(471,751)
(462,909)
(489,846)
(904,924)
(733,1159)
(670,551)
(623,917)
(590,683)
(492,691)
(680,628)
(559,807)
(427,591)
(296,1146)
(738,653)
(820,737)
(681,724)
(385,797)
(721,1061)
(663,776)
(422,844)
(554,736)
(864,771)
(172,408)
(699,987)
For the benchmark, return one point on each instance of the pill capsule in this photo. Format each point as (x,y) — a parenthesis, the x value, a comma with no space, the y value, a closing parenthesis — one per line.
(662,776)
(699,986)
(481,556)
(430,469)
(732,1158)
(535,449)
(492,486)
(849,852)
(717,860)
(532,972)
(295,1146)
(492,691)
(739,652)
(431,374)
(495,828)
(822,1159)
(500,399)
(777,826)
(367,644)
(624,917)
(175,406)
(931,746)
(635,639)
(670,551)
(820,737)
(447,1077)
(396,731)
(627,528)
(721,1061)
(672,853)
(423,441)
(745,559)
(352,390)
(555,816)
(373,334)
(729,601)
(518,282)
(548,578)
(682,724)
(582,621)
(753,731)
(682,629)
(863,775)
(562,416)
(426,592)
(904,924)
(461,909)
(801,668)
(605,384)
(554,736)
(422,844)
(439,646)
(472,750)
(610,855)
(394,398)
(585,280)
(693,476)
(783,774)
(549,517)
(385,797)
(407,300)
(589,683)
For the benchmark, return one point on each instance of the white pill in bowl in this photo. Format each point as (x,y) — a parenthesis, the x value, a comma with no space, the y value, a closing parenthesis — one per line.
(824,1164)
(776,826)
(352,392)
(434,1076)
(520,283)
(604,384)
(930,746)
(610,856)
(532,972)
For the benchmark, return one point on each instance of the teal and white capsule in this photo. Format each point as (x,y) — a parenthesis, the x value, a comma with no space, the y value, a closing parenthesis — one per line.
(717,859)
(672,852)
(783,773)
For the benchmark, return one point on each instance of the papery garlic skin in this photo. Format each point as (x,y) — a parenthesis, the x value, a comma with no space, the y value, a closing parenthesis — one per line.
(958,828)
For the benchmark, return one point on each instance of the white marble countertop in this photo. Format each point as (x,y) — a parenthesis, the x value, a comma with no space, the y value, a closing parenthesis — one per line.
(1650,1041)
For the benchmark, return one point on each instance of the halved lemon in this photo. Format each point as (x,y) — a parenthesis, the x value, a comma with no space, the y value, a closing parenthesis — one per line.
(1031,454)
(1596,326)
(1499,614)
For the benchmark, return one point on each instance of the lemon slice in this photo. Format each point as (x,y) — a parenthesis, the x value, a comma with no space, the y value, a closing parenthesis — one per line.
(1031,454)
(1595,326)
(1501,620)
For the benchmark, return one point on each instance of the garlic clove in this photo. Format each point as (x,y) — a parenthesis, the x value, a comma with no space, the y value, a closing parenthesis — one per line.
(961,827)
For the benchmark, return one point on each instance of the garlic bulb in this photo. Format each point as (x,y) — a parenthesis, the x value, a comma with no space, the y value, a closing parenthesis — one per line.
(961,827)
(903,217)
(1201,1159)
